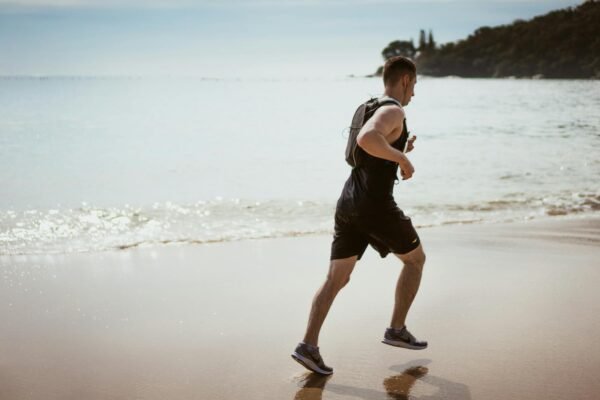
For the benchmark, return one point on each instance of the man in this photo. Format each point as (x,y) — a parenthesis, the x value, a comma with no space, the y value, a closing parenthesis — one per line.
(366,214)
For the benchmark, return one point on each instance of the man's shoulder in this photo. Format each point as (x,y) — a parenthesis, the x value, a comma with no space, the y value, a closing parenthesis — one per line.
(391,115)
(392,110)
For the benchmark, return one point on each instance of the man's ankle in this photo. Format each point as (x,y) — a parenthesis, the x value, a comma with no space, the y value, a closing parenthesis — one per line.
(397,330)
(310,346)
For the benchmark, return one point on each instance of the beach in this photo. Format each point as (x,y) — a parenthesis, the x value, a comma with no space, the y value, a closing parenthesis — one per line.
(510,310)
(170,171)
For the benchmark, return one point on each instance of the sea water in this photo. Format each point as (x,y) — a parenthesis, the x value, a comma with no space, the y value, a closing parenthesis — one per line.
(91,164)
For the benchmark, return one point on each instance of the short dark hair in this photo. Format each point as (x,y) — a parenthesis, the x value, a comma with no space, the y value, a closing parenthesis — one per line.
(396,67)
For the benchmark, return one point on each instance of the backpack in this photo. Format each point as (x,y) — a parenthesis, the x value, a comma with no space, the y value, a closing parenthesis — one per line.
(361,116)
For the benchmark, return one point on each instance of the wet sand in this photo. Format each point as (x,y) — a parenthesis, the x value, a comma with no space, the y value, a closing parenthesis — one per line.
(509,310)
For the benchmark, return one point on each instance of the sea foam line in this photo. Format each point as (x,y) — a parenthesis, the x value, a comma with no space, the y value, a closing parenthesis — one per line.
(89,228)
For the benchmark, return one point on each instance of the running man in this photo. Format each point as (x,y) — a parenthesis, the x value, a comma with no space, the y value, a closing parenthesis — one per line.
(366,214)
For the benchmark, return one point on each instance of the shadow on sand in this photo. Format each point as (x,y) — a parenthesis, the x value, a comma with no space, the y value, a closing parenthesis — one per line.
(397,386)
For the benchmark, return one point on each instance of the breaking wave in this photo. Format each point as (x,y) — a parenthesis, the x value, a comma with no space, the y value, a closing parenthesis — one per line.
(89,228)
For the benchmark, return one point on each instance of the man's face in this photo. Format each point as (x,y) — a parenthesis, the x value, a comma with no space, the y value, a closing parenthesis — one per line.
(408,85)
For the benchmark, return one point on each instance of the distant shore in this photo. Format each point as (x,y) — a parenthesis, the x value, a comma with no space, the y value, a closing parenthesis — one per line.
(535,77)
(555,45)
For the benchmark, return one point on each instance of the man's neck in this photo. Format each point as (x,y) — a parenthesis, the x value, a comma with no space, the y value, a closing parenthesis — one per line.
(389,94)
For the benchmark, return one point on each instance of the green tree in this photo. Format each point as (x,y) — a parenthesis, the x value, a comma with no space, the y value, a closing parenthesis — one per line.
(431,42)
(399,48)
(422,40)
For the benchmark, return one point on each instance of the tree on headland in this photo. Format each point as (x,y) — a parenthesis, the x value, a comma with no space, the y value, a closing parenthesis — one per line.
(405,48)
(431,42)
(399,48)
(422,40)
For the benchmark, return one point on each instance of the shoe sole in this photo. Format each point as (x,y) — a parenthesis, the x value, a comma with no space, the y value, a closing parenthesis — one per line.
(309,364)
(402,344)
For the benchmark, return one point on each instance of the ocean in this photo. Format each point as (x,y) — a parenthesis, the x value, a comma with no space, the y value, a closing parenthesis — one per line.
(94,164)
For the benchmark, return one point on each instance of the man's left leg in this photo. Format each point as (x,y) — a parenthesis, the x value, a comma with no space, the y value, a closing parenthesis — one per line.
(307,352)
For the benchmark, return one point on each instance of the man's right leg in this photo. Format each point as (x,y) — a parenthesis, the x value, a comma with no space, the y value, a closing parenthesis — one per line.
(406,290)
(408,285)
(337,277)
(307,353)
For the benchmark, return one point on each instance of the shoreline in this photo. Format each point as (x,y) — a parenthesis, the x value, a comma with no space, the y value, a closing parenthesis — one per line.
(510,311)
(145,245)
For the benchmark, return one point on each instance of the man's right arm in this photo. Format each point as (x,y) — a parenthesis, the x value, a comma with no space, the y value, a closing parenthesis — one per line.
(373,138)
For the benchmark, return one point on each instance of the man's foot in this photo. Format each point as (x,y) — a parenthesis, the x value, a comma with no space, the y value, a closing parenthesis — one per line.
(402,338)
(310,358)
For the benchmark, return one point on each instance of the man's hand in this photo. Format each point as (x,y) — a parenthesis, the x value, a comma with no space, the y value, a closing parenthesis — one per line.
(411,143)
(406,168)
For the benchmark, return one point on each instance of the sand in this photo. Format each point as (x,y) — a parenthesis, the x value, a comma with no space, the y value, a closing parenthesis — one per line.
(510,311)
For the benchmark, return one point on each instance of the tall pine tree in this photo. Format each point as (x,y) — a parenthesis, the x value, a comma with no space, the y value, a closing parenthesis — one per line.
(431,42)
(422,41)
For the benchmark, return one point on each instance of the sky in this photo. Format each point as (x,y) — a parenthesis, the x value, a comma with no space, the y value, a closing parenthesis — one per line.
(232,38)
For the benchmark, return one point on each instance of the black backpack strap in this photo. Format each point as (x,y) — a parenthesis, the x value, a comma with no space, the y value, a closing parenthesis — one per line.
(386,100)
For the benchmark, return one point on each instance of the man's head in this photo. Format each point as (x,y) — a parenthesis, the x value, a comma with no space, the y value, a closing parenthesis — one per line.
(399,78)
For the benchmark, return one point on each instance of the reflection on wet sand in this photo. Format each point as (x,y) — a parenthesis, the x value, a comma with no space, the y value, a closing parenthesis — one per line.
(397,387)
(312,386)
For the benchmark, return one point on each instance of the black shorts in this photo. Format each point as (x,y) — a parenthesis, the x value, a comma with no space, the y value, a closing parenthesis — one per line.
(387,232)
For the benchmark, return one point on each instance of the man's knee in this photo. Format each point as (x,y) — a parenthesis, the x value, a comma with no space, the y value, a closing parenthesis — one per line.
(414,259)
(337,282)
(339,273)
(420,259)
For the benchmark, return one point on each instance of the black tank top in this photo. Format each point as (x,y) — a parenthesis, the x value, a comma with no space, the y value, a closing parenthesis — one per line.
(370,187)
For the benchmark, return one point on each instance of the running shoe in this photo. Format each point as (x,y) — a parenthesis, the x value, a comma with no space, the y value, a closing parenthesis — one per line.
(311,359)
(403,338)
